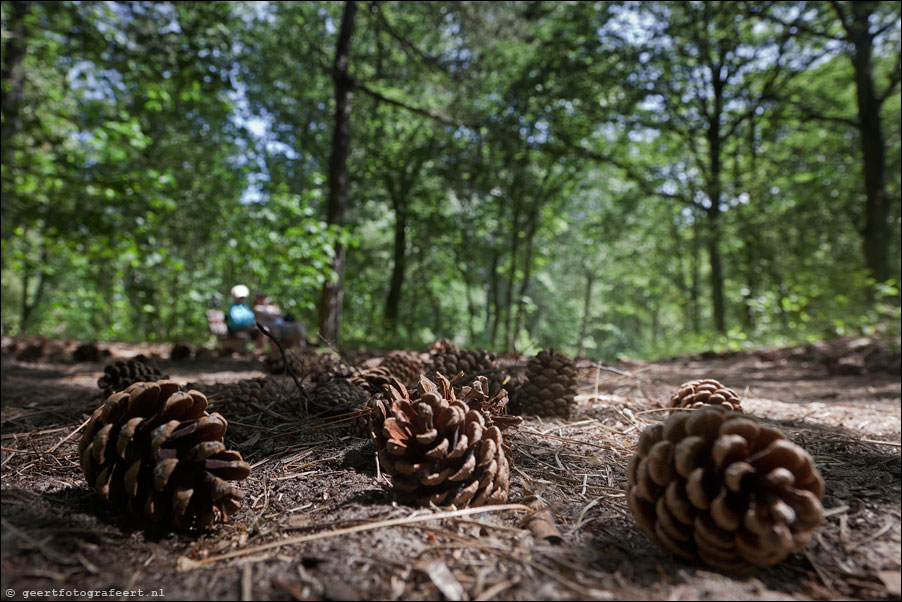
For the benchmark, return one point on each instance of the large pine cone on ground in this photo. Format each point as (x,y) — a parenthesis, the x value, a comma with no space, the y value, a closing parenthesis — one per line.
(438,449)
(697,393)
(551,386)
(155,451)
(717,486)
(121,374)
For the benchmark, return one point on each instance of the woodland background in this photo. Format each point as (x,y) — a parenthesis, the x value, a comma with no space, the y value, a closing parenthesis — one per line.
(639,178)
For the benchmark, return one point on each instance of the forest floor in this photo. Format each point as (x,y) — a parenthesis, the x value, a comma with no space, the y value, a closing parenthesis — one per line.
(315,496)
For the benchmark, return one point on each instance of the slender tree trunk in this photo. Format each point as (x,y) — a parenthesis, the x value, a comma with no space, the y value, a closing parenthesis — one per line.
(584,326)
(333,290)
(392,301)
(11,92)
(512,275)
(694,293)
(876,230)
(527,275)
(492,315)
(13,75)
(713,212)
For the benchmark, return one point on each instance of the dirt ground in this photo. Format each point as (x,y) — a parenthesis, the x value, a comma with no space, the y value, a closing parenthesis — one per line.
(314,495)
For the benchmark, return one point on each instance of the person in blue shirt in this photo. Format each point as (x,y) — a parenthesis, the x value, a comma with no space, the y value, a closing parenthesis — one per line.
(240,317)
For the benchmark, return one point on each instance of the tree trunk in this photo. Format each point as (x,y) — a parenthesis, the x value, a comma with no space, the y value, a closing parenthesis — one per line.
(694,293)
(393,300)
(527,273)
(13,75)
(584,326)
(713,212)
(11,91)
(876,230)
(492,311)
(333,290)
(512,275)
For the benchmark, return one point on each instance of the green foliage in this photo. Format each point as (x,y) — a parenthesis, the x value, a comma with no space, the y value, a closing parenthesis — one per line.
(521,175)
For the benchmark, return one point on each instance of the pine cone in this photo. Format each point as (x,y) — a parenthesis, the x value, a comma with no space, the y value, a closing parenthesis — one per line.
(366,423)
(240,395)
(316,368)
(406,366)
(372,380)
(122,373)
(336,396)
(155,451)
(89,352)
(551,386)
(181,352)
(717,486)
(448,360)
(697,393)
(438,449)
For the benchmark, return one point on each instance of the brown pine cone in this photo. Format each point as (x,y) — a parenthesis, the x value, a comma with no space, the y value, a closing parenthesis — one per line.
(551,386)
(365,423)
(240,395)
(406,366)
(716,486)
(181,352)
(439,450)
(336,396)
(697,393)
(122,373)
(311,368)
(372,380)
(155,451)
(448,360)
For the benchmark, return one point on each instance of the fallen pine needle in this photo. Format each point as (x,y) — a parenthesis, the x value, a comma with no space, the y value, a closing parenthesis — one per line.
(187,564)
(66,438)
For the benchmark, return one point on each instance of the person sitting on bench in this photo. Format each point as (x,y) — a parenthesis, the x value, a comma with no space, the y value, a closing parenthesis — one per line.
(240,317)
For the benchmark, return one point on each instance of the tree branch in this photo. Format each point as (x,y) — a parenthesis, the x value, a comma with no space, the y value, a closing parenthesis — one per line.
(444,120)
(410,47)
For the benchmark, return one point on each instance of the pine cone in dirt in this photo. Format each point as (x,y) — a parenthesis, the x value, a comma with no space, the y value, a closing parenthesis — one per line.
(311,368)
(511,381)
(364,424)
(31,352)
(448,360)
(717,486)
(242,395)
(697,393)
(372,380)
(89,352)
(155,451)
(406,366)
(438,449)
(336,396)
(181,352)
(551,386)
(121,374)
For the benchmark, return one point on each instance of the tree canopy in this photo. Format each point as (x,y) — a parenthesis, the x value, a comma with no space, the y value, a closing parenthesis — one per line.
(602,177)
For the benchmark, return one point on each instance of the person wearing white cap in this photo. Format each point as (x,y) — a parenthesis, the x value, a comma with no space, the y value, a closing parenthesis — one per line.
(240,317)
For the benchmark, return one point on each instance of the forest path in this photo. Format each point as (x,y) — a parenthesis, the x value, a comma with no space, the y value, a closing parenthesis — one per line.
(56,533)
